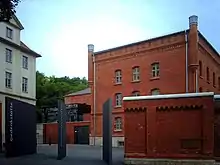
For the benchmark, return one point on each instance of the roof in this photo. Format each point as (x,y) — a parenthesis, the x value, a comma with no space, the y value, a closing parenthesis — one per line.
(168,96)
(164,36)
(21,27)
(22,47)
(82,92)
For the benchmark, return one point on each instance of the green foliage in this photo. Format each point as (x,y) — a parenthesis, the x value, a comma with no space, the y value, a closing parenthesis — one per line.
(50,89)
(7,9)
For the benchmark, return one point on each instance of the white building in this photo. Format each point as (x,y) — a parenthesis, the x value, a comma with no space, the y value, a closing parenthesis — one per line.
(17,68)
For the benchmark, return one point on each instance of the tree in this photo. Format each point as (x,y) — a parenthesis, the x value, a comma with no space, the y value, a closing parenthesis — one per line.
(50,89)
(7,9)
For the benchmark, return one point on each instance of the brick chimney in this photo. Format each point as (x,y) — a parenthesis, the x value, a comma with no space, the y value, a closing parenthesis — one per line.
(90,63)
(193,53)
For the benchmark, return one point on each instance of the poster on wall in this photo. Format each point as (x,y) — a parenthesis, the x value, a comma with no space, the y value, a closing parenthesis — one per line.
(20,128)
(61,130)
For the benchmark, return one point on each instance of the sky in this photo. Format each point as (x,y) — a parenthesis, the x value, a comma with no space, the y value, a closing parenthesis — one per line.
(60,30)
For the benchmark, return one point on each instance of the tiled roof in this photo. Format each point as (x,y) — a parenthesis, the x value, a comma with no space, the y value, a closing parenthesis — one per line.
(82,92)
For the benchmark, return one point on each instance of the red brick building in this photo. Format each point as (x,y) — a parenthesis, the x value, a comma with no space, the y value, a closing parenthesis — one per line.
(174,126)
(181,62)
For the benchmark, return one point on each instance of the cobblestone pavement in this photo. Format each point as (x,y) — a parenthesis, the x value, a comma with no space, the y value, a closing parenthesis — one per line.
(76,155)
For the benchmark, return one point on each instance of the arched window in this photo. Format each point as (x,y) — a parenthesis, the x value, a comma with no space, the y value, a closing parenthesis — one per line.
(155,69)
(136,93)
(118,123)
(118,99)
(155,91)
(118,76)
(136,73)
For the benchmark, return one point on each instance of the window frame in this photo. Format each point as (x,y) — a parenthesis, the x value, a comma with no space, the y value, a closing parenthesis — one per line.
(155,69)
(24,85)
(118,76)
(8,79)
(9,33)
(118,124)
(136,93)
(155,89)
(24,63)
(118,100)
(8,55)
(136,73)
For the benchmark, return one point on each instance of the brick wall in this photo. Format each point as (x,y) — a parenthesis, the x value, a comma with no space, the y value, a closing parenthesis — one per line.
(169,128)
(50,131)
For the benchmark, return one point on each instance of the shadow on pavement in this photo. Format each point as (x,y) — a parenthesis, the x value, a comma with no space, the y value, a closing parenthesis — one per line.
(76,155)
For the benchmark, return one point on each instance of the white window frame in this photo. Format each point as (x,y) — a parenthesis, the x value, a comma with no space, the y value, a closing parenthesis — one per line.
(155,69)
(24,84)
(118,99)
(136,73)
(118,123)
(136,93)
(118,76)
(8,80)
(155,91)
(8,55)
(9,33)
(25,62)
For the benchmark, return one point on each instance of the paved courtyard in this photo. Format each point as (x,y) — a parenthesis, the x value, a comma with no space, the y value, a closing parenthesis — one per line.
(76,155)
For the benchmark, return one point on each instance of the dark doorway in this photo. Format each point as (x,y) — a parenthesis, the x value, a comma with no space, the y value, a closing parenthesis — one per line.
(81,135)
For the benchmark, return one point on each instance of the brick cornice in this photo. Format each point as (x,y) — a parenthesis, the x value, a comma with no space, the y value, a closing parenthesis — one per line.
(179,108)
(139,109)
(139,53)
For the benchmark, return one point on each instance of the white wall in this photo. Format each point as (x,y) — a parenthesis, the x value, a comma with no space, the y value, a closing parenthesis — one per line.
(16,32)
(18,72)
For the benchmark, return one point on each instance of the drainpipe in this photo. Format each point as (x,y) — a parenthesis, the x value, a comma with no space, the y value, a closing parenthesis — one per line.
(94,103)
(186,42)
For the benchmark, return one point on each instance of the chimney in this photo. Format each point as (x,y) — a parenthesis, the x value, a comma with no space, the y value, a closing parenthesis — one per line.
(90,48)
(90,64)
(193,39)
(193,21)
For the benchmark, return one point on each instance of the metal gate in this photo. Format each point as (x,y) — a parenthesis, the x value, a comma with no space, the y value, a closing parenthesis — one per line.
(81,135)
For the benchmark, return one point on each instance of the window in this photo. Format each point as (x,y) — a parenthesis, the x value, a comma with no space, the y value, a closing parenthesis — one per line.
(9,33)
(136,74)
(200,68)
(24,84)
(8,80)
(155,70)
(155,91)
(213,77)
(8,55)
(118,77)
(118,123)
(25,62)
(118,100)
(207,74)
(135,93)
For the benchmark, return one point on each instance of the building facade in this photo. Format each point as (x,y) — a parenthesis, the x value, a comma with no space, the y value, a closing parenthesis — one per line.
(17,68)
(182,62)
